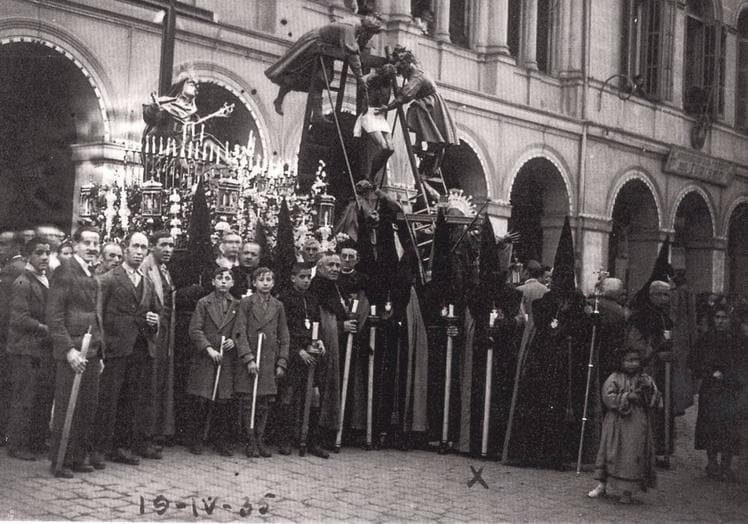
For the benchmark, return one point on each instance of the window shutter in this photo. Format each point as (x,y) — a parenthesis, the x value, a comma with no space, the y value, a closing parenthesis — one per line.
(665,58)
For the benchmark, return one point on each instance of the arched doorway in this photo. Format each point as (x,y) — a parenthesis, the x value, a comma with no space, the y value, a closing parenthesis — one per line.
(737,251)
(47,105)
(236,129)
(540,202)
(693,244)
(462,169)
(634,237)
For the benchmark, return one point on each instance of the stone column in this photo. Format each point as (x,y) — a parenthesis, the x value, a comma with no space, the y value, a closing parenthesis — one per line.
(484,20)
(498,20)
(530,33)
(400,11)
(441,32)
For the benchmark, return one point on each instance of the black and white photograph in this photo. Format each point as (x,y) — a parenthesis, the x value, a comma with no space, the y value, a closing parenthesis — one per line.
(374,260)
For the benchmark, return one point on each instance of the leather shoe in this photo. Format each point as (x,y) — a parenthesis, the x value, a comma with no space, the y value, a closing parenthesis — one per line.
(318,452)
(82,467)
(21,454)
(148,452)
(97,460)
(123,457)
(63,473)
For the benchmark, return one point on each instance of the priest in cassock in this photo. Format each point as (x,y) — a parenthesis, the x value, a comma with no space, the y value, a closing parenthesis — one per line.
(538,432)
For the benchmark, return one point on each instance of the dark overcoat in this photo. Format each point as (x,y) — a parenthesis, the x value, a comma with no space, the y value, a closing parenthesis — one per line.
(253,319)
(28,333)
(208,325)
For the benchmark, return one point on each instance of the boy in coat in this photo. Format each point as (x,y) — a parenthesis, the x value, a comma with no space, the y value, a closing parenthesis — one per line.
(213,321)
(260,313)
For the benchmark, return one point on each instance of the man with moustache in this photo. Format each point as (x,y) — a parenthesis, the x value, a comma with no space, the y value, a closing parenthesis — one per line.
(30,355)
(162,347)
(71,312)
(130,314)
(228,248)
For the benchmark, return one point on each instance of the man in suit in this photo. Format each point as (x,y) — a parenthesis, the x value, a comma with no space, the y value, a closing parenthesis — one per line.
(130,315)
(162,347)
(111,257)
(71,312)
(30,355)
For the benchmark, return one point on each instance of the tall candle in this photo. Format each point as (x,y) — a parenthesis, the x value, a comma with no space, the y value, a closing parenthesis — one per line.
(451,310)
(202,132)
(315,330)
(354,306)
(373,311)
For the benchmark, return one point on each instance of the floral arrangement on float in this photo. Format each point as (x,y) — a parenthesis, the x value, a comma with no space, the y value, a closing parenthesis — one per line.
(243,190)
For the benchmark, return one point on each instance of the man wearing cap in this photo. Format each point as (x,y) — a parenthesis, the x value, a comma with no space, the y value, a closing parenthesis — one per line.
(649,330)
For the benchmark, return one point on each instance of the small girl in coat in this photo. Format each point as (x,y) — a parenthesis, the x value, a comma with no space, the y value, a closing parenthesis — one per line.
(213,320)
(260,313)
(625,460)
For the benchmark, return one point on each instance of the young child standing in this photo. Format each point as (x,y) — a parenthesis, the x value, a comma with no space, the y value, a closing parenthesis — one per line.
(625,460)
(302,311)
(212,321)
(260,313)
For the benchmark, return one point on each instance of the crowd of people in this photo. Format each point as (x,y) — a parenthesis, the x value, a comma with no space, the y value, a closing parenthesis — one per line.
(242,357)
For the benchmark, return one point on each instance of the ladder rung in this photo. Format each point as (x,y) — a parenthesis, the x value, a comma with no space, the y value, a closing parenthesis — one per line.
(425,243)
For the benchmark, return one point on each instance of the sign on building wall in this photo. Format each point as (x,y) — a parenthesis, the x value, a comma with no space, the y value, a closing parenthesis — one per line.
(690,164)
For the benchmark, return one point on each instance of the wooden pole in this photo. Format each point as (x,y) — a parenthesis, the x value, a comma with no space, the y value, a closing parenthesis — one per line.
(346,376)
(487,402)
(260,336)
(308,396)
(65,437)
(585,410)
(370,381)
(447,387)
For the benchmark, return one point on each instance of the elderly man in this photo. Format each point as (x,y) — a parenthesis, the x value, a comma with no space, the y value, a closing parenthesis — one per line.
(311,252)
(249,260)
(228,249)
(130,314)
(649,330)
(111,257)
(71,312)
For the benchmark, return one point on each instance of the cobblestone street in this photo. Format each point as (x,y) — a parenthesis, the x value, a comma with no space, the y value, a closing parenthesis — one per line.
(355,485)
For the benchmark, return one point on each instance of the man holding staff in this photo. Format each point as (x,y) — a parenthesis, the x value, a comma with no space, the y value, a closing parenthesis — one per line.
(71,312)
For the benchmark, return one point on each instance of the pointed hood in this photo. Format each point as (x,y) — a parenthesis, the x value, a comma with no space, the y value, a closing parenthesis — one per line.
(266,258)
(662,270)
(284,249)
(199,245)
(563,280)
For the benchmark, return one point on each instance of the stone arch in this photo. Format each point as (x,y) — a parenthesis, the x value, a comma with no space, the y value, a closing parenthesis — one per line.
(683,193)
(466,159)
(739,11)
(36,31)
(479,148)
(725,229)
(549,154)
(233,83)
(539,201)
(636,173)
(736,256)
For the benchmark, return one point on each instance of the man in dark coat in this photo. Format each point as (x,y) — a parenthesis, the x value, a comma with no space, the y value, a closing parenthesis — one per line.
(249,260)
(649,330)
(71,312)
(30,353)
(131,317)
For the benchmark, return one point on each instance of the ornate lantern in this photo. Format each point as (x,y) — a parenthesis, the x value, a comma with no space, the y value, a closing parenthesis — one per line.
(228,196)
(326,211)
(87,206)
(151,204)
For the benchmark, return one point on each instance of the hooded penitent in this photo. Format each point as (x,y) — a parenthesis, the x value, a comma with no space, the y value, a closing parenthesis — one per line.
(284,250)
(662,271)
(563,280)
(199,246)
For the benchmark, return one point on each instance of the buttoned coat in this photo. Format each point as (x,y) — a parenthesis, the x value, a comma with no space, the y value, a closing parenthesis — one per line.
(208,325)
(164,343)
(71,309)
(252,319)
(123,310)
(28,333)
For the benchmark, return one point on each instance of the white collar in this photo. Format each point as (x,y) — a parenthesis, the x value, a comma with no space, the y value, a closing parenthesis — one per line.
(83,264)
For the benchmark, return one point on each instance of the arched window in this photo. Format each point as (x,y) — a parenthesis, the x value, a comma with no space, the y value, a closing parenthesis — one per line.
(460,22)
(514,26)
(741,102)
(648,27)
(547,15)
(703,71)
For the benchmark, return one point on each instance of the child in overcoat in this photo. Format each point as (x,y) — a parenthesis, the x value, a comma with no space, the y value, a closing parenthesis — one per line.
(213,322)
(258,314)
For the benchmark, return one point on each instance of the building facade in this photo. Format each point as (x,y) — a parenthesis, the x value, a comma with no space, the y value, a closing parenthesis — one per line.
(630,116)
